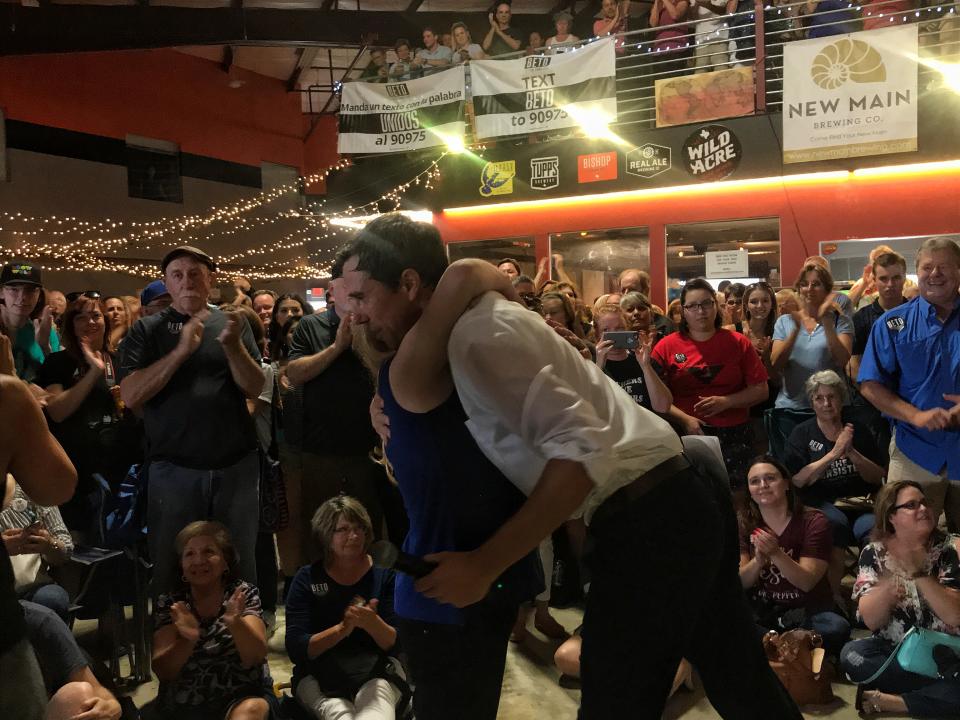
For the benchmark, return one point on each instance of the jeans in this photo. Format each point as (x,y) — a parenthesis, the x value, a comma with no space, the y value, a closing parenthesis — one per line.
(51,596)
(846,533)
(177,496)
(666,586)
(924,697)
(457,670)
(833,628)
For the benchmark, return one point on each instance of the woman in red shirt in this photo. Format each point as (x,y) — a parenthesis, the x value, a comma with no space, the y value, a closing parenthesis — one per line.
(715,376)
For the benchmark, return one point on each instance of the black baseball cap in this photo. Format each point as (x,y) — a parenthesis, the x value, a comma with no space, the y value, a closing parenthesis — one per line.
(187,250)
(21,272)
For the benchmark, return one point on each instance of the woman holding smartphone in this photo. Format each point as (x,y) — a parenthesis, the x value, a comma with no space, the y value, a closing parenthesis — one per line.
(628,366)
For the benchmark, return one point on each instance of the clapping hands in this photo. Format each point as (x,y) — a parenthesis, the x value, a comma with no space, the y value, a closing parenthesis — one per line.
(184,620)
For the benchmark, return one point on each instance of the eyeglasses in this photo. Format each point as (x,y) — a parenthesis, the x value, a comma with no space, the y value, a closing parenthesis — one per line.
(92,294)
(912,506)
(701,306)
(350,530)
(734,301)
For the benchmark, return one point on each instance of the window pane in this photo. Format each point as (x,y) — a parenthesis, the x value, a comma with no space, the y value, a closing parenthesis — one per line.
(594,259)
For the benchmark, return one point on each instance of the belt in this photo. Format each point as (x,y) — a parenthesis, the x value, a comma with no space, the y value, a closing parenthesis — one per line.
(637,488)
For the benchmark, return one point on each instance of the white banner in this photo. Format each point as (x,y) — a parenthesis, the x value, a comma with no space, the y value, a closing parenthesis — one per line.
(402,116)
(545,92)
(850,95)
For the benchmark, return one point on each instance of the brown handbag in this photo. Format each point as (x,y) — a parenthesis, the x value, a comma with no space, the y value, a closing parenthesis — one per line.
(796,656)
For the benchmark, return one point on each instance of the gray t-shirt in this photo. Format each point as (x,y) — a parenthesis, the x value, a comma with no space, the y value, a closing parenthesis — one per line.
(440,52)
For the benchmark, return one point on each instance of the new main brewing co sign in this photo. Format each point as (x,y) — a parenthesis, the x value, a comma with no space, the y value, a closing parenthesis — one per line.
(402,116)
(545,92)
(850,95)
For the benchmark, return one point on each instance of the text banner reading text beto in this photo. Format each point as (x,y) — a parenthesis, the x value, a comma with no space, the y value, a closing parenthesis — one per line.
(545,92)
(402,116)
(850,95)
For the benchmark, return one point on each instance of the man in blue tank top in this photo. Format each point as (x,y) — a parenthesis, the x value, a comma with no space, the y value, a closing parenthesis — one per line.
(455,498)
(664,552)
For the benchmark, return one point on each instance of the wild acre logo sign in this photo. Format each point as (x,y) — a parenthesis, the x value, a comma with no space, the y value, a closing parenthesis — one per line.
(850,96)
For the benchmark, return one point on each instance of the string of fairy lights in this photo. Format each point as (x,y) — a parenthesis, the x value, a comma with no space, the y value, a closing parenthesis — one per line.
(78,244)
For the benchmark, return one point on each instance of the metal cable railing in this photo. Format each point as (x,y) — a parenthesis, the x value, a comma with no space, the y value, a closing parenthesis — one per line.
(738,40)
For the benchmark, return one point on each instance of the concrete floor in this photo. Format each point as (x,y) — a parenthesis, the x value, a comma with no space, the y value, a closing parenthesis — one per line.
(530,689)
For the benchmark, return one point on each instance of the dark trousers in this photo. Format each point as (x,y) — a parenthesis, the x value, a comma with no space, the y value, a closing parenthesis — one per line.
(457,670)
(925,697)
(665,586)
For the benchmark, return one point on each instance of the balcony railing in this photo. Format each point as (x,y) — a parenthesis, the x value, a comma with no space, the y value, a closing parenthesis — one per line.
(754,35)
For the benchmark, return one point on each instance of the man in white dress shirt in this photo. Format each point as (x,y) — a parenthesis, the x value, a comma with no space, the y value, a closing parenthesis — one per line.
(663,545)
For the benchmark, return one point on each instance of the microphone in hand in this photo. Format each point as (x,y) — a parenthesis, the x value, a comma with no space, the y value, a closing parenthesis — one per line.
(388,556)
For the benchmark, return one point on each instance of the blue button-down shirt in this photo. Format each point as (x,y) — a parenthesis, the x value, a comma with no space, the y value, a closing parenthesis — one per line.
(914,354)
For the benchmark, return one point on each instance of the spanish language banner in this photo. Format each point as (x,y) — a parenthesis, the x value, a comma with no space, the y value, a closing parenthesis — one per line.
(402,116)
(850,95)
(545,92)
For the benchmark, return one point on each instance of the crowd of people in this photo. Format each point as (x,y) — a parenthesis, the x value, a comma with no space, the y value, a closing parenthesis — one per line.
(688,35)
(274,445)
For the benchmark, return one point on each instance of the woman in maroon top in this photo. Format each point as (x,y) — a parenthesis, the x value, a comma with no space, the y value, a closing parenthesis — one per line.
(784,552)
(715,376)
(672,46)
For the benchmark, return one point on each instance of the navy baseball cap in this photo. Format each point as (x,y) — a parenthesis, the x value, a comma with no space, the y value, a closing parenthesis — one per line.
(152,291)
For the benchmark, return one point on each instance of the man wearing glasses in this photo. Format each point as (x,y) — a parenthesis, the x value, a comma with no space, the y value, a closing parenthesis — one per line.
(910,371)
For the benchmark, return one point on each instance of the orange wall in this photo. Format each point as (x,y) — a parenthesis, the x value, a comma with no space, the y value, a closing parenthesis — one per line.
(166,95)
(821,209)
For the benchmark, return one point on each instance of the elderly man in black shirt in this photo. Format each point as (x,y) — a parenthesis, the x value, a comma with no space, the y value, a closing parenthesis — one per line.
(337,435)
(190,369)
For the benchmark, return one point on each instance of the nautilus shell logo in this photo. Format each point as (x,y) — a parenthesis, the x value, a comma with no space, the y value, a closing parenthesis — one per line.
(847,60)
(497,178)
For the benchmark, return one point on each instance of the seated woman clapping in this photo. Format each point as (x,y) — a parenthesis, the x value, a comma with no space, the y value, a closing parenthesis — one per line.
(832,461)
(210,643)
(339,612)
(784,552)
(909,577)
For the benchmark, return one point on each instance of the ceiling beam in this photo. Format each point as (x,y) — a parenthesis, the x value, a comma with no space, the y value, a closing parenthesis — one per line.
(414,6)
(305,58)
(65,28)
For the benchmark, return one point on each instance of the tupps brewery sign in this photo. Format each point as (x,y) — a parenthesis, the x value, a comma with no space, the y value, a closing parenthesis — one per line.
(712,153)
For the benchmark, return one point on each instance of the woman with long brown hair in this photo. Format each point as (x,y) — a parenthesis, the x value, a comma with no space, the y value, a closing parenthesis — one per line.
(84,407)
(784,554)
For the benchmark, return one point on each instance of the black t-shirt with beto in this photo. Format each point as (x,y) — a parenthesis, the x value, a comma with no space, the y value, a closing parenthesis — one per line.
(807,444)
(199,419)
(628,374)
(336,416)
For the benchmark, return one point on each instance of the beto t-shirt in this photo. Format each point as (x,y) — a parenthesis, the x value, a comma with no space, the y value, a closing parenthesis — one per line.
(808,534)
(628,374)
(336,415)
(199,419)
(722,365)
(807,444)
